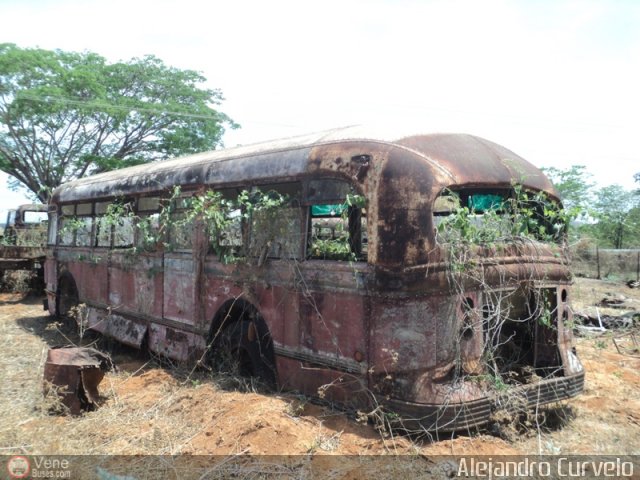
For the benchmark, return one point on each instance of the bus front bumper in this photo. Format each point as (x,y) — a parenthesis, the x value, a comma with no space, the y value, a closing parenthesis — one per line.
(417,417)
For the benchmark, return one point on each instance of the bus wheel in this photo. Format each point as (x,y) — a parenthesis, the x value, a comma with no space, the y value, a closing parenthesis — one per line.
(239,351)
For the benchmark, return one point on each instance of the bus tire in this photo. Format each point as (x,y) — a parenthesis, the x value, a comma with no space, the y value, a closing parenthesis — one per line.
(239,350)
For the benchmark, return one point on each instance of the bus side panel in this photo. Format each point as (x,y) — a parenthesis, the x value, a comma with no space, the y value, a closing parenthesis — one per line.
(332,323)
(176,344)
(324,349)
(94,276)
(332,312)
(218,291)
(135,292)
(88,271)
(179,288)
(271,305)
(408,337)
(148,281)
(348,389)
(121,283)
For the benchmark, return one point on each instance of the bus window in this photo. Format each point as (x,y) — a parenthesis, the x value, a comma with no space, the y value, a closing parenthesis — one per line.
(103,232)
(231,236)
(328,190)
(495,214)
(123,232)
(66,231)
(338,232)
(68,210)
(83,231)
(147,228)
(53,226)
(11,218)
(35,217)
(148,204)
(84,209)
(275,223)
(276,235)
(337,225)
(180,232)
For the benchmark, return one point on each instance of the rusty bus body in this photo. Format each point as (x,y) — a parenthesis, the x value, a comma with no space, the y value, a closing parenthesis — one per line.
(388,327)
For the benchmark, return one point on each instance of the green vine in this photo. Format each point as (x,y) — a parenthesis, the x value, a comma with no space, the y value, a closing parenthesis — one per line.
(522,216)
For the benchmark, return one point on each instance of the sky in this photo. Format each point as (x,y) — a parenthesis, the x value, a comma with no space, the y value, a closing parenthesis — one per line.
(556,81)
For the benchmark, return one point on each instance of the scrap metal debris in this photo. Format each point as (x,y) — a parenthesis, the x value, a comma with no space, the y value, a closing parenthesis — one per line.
(627,344)
(613,301)
(73,374)
(585,323)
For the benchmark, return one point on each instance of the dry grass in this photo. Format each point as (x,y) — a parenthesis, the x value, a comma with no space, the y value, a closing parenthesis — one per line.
(165,410)
(147,408)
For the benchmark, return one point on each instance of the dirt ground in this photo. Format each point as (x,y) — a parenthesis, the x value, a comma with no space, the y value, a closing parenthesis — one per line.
(150,408)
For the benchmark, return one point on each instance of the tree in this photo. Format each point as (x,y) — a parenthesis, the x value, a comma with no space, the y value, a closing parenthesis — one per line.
(574,186)
(66,115)
(618,215)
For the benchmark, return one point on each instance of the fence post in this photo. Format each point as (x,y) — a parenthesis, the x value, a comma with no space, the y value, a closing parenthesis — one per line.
(598,260)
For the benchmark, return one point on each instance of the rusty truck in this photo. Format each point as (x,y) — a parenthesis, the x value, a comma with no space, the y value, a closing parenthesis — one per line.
(22,245)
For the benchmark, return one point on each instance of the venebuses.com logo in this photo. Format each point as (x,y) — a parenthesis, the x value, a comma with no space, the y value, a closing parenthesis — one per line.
(18,467)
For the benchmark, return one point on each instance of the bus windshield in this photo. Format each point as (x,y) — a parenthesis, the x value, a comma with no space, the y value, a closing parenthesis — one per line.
(487,215)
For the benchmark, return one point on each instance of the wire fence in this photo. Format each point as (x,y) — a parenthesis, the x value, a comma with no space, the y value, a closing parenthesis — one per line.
(594,262)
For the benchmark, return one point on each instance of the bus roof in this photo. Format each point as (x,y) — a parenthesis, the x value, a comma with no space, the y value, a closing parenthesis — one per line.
(463,158)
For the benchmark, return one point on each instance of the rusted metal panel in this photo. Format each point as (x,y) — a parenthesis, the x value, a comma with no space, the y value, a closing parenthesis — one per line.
(73,374)
(476,161)
(51,281)
(126,330)
(208,168)
(455,416)
(92,267)
(180,288)
(175,343)
(220,289)
(346,389)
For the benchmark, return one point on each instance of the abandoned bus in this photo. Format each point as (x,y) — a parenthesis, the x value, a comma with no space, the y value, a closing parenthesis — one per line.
(422,274)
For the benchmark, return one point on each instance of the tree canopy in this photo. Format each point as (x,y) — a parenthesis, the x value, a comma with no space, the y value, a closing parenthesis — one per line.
(609,215)
(65,115)
(574,185)
(616,210)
